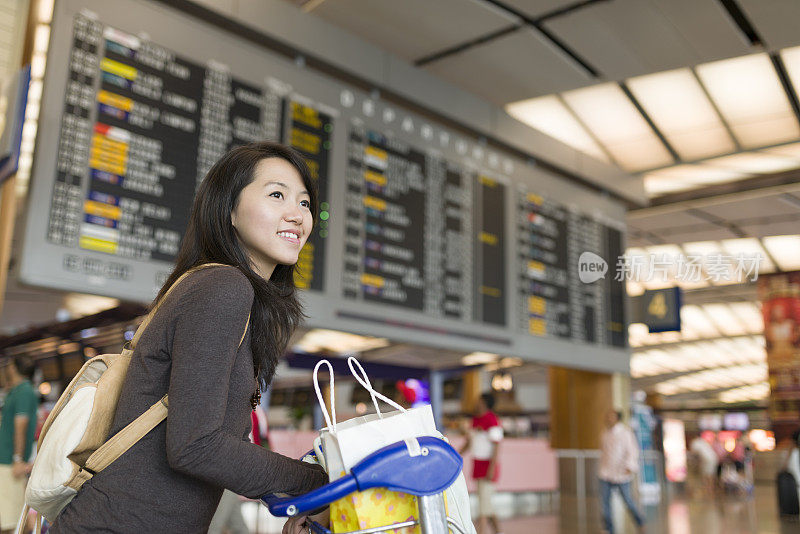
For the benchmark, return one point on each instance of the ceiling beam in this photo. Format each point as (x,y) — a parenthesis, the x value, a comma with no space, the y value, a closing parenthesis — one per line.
(588,130)
(718,221)
(523,20)
(717,111)
(649,121)
(645,348)
(741,21)
(748,188)
(466,45)
(786,83)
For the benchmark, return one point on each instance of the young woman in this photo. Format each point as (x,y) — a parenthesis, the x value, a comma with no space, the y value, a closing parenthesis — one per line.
(253,213)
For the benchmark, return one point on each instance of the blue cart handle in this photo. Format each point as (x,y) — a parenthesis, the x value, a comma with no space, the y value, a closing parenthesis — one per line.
(434,466)
(319,498)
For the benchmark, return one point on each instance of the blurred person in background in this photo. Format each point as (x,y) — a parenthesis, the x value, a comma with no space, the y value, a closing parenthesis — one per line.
(706,461)
(619,462)
(737,455)
(792,463)
(483,442)
(17,429)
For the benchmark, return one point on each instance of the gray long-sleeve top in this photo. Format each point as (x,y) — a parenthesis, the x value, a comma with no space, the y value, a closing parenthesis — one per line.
(172,480)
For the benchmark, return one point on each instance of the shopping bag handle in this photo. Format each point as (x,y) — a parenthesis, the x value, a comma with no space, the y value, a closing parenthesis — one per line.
(329,419)
(363,379)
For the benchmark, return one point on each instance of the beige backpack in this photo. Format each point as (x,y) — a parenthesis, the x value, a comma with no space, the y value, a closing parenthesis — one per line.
(72,444)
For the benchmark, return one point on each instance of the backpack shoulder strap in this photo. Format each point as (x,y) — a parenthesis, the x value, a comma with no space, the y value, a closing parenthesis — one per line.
(149,316)
(123,440)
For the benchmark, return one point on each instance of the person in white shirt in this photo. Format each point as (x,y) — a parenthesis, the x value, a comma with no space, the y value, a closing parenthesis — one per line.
(619,462)
(706,460)
(484,443)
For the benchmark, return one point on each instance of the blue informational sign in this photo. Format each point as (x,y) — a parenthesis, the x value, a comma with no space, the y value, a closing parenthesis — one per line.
(661,309)
(11,141)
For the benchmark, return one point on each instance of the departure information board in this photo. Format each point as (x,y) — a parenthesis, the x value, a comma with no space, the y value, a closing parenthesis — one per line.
(415,232)
(385,221)
(139,130)
(555,302)
(491,249)
(423,234)
(310,134)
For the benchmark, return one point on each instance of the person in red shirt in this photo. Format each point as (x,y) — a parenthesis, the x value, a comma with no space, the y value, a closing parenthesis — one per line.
(483,442)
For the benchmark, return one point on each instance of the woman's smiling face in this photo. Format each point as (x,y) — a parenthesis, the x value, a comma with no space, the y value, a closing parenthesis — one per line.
(272,216)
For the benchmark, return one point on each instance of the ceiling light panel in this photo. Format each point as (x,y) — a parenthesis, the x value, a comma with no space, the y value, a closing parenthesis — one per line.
(634,289)
(791,60)
(612,118)
(479,358)
(637,333)
(754,163)
(701,248)
(321,340)
(644,365)
(549,115)
(688,333)
(791,150)
(749,315)
(738,375)
(729,350)
(710,354)
(718,269)
(747,393)
(656,186)
(785,249)
(688,176)
(663,261)
(676,103)
(695,316)
(750,98)
(744,253)
(715,354)
(724,319)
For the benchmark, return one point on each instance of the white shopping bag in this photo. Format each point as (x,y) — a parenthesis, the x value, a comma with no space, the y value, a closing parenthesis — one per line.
(343,445)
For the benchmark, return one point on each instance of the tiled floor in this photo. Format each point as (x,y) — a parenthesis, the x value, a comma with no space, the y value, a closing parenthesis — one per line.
(681,515)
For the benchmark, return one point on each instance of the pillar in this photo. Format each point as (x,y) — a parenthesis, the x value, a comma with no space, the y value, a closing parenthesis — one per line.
(471,390)
(579,401)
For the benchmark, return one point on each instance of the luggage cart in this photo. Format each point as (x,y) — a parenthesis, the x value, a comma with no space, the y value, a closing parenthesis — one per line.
(432,468)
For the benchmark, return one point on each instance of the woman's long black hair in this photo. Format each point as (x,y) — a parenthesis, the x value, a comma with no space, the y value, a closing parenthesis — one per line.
(211,238)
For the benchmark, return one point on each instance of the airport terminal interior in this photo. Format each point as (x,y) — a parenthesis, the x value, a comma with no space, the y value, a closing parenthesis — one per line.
(565,234)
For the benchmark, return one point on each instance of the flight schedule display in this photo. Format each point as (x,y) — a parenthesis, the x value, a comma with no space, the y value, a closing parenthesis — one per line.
(554,301)
(384,220)
(412,237)
(139,130)
(425,233)
(140,127)
(309,132)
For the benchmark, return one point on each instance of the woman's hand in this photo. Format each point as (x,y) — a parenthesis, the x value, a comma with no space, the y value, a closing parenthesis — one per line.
(297,525)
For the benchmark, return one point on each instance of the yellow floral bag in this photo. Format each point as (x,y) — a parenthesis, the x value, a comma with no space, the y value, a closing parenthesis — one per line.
(374,507)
